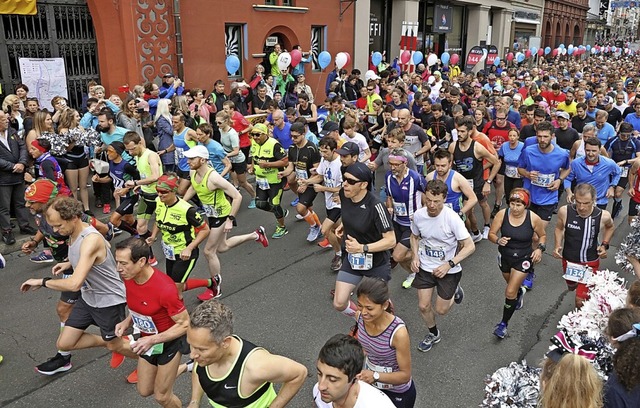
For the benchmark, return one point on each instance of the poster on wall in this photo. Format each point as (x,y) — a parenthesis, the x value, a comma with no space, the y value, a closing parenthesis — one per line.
(442,18)
(492,54)
(45,77)
(473,58)
(376,26)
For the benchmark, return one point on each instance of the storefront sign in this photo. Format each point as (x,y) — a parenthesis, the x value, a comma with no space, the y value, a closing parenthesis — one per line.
(376,26)
(442,18)
(492,54)
(527,15)
(271,41)
(473,58)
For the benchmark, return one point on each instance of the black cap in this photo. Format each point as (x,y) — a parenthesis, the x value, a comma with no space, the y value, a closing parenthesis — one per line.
(329,127)
(349,149)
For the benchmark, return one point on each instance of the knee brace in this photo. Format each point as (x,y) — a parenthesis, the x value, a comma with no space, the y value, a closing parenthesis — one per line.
(263,205)
(278,211)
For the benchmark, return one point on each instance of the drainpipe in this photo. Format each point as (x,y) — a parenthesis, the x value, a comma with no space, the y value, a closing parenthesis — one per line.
(176,17)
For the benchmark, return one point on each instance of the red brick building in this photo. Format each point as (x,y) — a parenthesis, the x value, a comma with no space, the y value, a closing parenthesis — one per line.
(564,22)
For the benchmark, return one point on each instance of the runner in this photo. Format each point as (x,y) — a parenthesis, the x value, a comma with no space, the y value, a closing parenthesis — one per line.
(439,242)
(121,171)
(516,224)
(217,155)
(213,191)
(576,239)
(339,366)
(622,149)
(102,301)
(184,138)
(157,311)
(509,155)
(230,141)
(268,158)
(232,371)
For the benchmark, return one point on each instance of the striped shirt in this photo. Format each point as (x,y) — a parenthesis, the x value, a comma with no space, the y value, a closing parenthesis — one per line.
(405,195)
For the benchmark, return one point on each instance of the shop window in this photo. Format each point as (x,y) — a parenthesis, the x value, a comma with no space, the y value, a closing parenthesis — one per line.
(317,45)
(233,43)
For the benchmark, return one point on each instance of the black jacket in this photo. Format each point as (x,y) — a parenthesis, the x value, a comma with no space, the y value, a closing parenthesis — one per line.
(9,158)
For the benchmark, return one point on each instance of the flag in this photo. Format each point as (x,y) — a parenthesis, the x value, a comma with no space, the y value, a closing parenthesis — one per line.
(25,7)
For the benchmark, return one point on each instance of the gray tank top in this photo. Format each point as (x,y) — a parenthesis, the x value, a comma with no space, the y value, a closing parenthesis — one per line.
(103,286)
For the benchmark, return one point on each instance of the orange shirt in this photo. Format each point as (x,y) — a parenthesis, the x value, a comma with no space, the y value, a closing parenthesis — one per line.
(486,143)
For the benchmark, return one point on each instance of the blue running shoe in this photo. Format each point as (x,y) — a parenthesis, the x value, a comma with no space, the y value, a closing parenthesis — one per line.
(501,330)
(528,281)
(428,342)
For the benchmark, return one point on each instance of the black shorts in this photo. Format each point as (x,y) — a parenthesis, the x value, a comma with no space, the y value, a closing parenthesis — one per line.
(246,150)
(307,197)
(169,351)
(180,270)
(183,174)
(147,206)
(334,214)
(127,204)
(633,208)
(522,264)
(69,298)
(623,182)
(273,195)
(354,277)
(403,234)
(169,167)
(446,286)
(545,212)
(239,168)
(602,206)
(76,163)
(216,222)
(82,316)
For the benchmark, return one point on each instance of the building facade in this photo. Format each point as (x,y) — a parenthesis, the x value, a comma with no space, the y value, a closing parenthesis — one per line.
(564,22)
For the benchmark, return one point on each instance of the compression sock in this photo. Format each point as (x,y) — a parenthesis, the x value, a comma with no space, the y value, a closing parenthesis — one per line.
(434,330)
(197,283)
(350,310)
(315,217)
(128,228)
(308,217)
(509,308)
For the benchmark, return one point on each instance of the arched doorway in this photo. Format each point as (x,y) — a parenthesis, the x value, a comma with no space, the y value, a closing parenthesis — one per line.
(576,35)
(548,34)
(558,35)
(567,35)
(285,37)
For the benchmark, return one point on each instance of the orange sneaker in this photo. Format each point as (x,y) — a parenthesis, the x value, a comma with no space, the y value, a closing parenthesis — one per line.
(116,360)
(324,243)
(133,377)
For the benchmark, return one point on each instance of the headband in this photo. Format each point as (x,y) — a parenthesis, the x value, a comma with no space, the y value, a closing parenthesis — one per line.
(38,146)
(520,195)
(634,332)
(399,158)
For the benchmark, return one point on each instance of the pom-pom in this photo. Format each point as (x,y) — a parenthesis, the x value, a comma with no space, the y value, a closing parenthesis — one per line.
(517,385)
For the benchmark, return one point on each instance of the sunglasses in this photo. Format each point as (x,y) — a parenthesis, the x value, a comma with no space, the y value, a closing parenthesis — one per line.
(352,181)
(255,134)
(162,191)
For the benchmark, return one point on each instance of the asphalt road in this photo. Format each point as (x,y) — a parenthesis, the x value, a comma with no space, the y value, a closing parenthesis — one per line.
(280,298)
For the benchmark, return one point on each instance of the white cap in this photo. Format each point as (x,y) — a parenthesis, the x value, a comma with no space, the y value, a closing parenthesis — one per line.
(369,75)
(197,151)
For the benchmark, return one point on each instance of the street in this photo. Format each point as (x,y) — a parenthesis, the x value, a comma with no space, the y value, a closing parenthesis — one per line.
(280,299)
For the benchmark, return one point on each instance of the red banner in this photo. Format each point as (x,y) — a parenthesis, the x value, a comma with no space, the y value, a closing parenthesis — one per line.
(491,57)
(473,58)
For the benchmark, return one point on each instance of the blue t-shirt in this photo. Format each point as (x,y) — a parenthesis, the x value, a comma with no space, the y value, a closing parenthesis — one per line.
(510,157)
(548,166)
(606,133)
(405,195)
(283,135)
(216,155)
(634,120)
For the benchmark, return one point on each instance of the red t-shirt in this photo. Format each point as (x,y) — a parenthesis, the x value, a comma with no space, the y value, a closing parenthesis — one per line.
(153,303)
(497,135)
(239,123)
(552,99)
(361,103)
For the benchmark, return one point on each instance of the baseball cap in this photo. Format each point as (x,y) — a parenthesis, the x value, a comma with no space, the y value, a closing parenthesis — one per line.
(168,75)
(370,74)
(329,127)
(608,100)
(260,128)
(41,191)
(349,149)
(562,114)
(197,151)
(168,182)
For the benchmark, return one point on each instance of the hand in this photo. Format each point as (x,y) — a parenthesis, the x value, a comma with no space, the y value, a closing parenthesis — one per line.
(28,247)
(536,256)
(602,252)
(339,231)
(264,165)
(31,284)
(366,376)
(18,168)
(415,264)
(352,245)
(441,271)
(121,328)
(250,169)
(533,176)
(557,253)
(486,189)
(503,241)
(631,192)
(555,185)
(185,254)
(611,192)
(228,225)
(61,267)
(569,197)
(142,345)
(150,240)
(130,184)
(95,178)
(28,178)
(302,188)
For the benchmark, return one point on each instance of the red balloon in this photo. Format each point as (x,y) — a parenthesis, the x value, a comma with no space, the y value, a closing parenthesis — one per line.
(540,52)
(455,58)
(510,56)
(527,53)
(405,56)
(348,58)
(554,52)
(296,57)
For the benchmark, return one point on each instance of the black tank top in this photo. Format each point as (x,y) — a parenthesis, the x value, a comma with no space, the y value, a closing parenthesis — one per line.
(225,391)
(521,236)
(468,165)
(307,114)
(581,236)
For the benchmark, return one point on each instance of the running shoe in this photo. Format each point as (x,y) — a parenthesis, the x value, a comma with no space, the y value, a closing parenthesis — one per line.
(99,203)
(299,217)
(476,237)
(28,230)
(212,292)
(520,298)
(295,202)
(324,244)
(55,365)
(133,377)
(153,261)
(617,209)
(459,295)
(286,214)
(280,232)
(89,213)
(409,281)
(252,204)
(3,262)
(116,360)
(106,209)
(117,231)
(495,210)
(336,263)
(42,257)
(485,232)
(314,233)
(393,263)
(190,364)
(501,330)
(528,281)
(110,232)
(428,342)
(8,238)
(262,236)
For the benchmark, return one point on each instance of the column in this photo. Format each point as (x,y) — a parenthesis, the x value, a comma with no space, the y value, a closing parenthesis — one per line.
(361,36)
(403,10)
(478,25)
(502,29)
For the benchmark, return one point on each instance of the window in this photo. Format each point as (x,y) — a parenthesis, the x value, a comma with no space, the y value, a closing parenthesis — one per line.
(288,3)
(318,44)
(270,2)
(233,34)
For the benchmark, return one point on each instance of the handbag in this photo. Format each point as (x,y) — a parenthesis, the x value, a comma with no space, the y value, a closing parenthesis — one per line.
(99,165)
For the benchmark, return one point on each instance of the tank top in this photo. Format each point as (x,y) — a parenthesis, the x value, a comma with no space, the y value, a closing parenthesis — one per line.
(118,174)
(214,202)
(59,176)
(580,150)
(182,146)
(636,186)
(380,354)
(468,165)
(103,286)
(225,392)
(454,199)
(308,114)
(581,236)
(519,245)
(144,167)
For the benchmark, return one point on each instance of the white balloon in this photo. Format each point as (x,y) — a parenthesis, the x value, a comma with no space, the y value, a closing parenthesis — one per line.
(563,51)
(341,60)
(432,59)
(284,60)
(431,79)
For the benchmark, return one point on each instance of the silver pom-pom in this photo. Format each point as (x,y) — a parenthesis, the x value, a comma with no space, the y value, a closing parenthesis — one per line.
(517,385)
(630,246)
(59,143)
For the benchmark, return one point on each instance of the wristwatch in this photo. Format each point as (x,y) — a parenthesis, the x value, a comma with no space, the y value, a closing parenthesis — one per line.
(451,263)
(605,244)
(365,248)
(489,181)
(542,247)
(376,376)
(231,217)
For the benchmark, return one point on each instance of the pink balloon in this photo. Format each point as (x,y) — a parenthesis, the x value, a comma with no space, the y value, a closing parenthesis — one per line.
(348,58)
(527,53)
(455,58)
(510,56)
(405,57)
(296,57)
(540,52)
(554,52)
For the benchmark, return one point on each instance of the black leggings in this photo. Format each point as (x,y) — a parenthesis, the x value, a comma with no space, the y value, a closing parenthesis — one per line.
(406,399)
(510,184)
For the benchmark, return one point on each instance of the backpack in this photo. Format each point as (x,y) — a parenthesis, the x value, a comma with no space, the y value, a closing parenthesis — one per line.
(290,100)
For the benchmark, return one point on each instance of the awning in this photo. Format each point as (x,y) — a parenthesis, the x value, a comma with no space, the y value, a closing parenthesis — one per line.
(525,21)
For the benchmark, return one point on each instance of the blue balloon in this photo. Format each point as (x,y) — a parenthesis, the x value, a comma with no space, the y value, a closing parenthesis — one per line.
(519,57)
(232,63)
(324,59)
(496,62)
(570,50)
(588,47)
(445,58)
(376,58)
(417,57)
(614,49)
(534,50)
(561,46)
(547,50)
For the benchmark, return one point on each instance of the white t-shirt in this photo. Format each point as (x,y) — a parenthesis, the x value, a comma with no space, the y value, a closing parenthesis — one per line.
(439,237)
(330,170)
(368,397)
(360,140)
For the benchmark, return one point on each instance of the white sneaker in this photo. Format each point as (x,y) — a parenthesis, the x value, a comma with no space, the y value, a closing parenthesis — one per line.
(485,233)
(314,232)
(476,238)
(299,217)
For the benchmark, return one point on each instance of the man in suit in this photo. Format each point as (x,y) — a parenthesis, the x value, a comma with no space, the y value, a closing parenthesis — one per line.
(13,161)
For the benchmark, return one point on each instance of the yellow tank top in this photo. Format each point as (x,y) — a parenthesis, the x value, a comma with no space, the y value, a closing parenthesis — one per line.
(144,167)
(215,202)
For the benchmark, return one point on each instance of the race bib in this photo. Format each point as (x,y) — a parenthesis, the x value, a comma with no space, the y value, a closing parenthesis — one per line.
(143,323)
(400,209)
(511,171)
(544,180)
(624,171)
(262,183)
(210,211)
(372,119)
(154,350)
(368,365)
(361,261)
(168,252)
(578,273)
(470,183)
(301,174)
(437,253)
(179,154)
